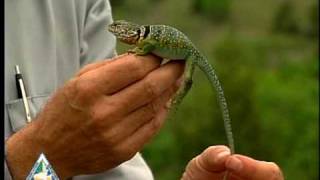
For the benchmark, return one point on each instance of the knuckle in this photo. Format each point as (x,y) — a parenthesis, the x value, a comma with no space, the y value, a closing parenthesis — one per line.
(212,148)
(106,84)
(135,67)
(96,123)
(151,110)
(150,88)
(103,116)
(70,89)
(110,139)
(84,89)
(83,86)
(96,115)
(155,125)
(120,104)
(123,153)
(103,109)
(76,91)
(193,163)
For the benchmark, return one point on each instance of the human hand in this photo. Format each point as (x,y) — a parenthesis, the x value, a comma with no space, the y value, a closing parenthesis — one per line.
(99,119)
(215,160)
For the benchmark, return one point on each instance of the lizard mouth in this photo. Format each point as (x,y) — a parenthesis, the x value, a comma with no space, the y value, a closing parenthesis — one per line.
(126,32)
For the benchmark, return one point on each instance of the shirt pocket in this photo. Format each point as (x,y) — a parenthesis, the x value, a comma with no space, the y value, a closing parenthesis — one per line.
(16,112)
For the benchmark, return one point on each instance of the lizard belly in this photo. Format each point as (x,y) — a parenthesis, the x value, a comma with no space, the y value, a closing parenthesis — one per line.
(171,53)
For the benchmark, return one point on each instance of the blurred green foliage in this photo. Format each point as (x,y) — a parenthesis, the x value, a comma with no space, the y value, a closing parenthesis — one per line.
(270,80)
(217,10)
(117,3)
(313,28)
(284,20)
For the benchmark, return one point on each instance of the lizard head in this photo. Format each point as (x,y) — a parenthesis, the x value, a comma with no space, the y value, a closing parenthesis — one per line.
(126,32)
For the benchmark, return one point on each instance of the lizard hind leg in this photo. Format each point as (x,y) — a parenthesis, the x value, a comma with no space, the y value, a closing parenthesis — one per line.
(184,88)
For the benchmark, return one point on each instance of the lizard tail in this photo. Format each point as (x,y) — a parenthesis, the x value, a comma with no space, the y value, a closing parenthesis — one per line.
(204,65)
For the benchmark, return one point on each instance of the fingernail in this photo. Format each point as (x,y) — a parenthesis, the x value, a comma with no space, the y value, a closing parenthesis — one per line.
(220,156)
(234,164)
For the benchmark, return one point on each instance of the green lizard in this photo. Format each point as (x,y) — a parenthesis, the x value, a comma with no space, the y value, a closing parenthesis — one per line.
(169,43)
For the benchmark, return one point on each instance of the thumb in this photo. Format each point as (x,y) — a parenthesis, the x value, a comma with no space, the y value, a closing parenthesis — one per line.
(250,169)
(210,164)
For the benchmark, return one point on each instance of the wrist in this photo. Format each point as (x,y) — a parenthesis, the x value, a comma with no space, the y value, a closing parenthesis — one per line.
(24,148)
(22,152)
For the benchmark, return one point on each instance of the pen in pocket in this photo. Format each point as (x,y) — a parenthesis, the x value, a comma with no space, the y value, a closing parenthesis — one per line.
(22,93)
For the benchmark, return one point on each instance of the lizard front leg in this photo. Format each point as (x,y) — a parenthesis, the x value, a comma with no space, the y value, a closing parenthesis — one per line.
(142,49)
(134,50)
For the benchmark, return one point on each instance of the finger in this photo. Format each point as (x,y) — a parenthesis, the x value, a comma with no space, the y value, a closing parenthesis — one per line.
(130,124)
(96,65)
(251,169)
(92,66)
(112,77)
(143,135)
(213,158)
(144,91)
(208,165)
